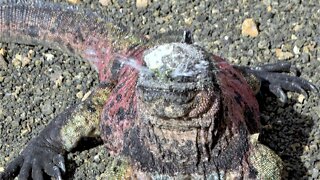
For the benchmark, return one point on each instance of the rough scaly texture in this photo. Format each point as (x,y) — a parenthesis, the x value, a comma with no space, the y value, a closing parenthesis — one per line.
(67,28)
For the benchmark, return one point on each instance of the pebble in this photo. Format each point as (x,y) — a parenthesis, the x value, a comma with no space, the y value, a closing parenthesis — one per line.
(249,28)
(269,8)
(283,55)
(305,57)
(37,62)
(49,56)
(79,95)
(309,47)
(141,3)
(301,98)
(3,63)
(23,132)
(297,27)
(46,108)
(96,158)
(294,37)
(317,164)
(74,1)
(315,173)
(3,52)
(104,2)
(296,50)
(16,62)
(25,61)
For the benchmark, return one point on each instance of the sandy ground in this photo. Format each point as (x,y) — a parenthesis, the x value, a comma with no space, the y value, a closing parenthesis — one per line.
(30,97)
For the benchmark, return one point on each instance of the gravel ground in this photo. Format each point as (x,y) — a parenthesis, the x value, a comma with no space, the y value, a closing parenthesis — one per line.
(33,92)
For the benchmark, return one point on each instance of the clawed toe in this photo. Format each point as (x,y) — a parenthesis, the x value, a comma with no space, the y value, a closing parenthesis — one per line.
(279,82)
(274,77)
(35,166)
(275,67)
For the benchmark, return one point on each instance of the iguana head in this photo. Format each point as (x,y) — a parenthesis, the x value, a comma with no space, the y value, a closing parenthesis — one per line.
(179,86)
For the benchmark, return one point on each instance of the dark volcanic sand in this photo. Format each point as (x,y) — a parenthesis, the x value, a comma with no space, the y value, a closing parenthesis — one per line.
(30,97)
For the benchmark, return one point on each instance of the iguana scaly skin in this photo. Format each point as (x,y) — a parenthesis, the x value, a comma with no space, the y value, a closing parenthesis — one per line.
(166,109)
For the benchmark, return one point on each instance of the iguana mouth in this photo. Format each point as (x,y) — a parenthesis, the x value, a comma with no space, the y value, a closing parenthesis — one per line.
(172,91)
(174,95)
(177,110)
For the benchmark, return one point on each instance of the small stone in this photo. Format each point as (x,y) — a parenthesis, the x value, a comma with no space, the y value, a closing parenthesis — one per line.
(317,165)
(23,132)
(25,61)
(315,173)
(105,2)
(3,63)
(73,1)
(263,44)
(297,27)
(269,8)
(309,47)
(37,62)
(46,108)
(79,87)
(283,55)
(250,52)
(141,3)
(79,95)
(249,28)
(3,52)
(162,30)
(86,96)
(17,91)
(17,61)
(296,50)
(96,158)
(214,11)
(305,57)
(58,81)
(188,20)
(294,37)
(1,169)
(30,54)
(49,56)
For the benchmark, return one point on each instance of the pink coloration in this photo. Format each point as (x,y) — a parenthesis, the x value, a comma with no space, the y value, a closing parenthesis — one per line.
(122,100)
(238,98)
(101,57)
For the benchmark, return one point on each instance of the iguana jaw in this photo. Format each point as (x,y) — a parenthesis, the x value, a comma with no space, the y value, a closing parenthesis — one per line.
(198,113)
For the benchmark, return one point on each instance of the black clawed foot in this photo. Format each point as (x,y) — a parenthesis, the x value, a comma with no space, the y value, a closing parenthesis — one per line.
(34,161)
(274,78)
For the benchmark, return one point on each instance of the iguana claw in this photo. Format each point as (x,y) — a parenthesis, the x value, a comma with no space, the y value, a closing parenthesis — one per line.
(272,76)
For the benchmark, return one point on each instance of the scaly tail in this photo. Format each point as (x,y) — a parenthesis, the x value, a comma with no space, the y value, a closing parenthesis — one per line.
(71,29)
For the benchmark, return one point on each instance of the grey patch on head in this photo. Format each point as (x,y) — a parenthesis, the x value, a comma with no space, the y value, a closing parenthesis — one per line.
(180,59)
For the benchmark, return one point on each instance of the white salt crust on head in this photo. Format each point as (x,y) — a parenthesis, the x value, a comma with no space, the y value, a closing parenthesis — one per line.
(180,58)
